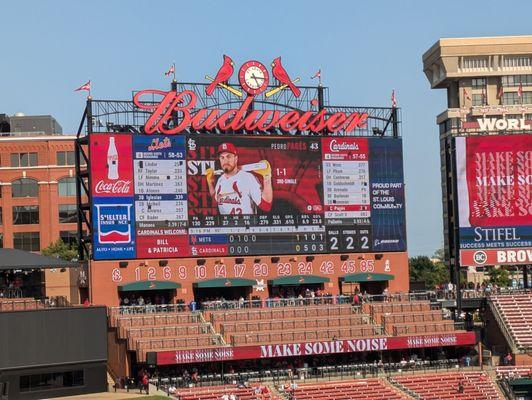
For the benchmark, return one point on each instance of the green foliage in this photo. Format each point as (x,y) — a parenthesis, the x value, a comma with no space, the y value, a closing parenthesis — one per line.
(60,249)
(499,276)
(422,269)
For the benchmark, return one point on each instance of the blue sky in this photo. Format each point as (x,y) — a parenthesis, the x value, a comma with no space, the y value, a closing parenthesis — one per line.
(365,49)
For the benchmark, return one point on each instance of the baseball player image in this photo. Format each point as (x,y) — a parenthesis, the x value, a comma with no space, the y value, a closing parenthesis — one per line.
(237,191)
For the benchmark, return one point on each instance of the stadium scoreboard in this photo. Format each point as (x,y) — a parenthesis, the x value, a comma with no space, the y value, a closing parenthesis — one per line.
(151,196)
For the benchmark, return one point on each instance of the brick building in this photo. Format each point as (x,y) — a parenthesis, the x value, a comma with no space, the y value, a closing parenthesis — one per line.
(38,195)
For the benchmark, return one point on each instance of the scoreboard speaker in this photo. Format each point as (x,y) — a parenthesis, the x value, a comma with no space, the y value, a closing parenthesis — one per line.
(5,126)
(123,264)
(309,258)
(275,259)
(163,263)
(239,260)
(344,257)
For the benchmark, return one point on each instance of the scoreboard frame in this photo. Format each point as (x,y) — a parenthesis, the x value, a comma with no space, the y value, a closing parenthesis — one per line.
(125,117)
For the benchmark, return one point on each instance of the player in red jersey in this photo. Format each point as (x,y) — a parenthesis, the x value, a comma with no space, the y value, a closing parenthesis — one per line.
(237,191)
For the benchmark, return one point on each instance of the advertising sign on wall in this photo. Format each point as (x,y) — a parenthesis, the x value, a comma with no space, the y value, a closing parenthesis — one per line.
(494,180)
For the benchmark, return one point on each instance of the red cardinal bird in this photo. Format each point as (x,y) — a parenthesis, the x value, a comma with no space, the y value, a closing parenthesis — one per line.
(282,76)
(223,75)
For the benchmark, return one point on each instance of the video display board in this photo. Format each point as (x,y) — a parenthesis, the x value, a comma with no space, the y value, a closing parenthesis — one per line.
(494,181)
(157,196)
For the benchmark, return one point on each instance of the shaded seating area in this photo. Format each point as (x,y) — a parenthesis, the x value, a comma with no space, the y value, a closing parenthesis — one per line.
(516,312)
(449,386)
(360,389)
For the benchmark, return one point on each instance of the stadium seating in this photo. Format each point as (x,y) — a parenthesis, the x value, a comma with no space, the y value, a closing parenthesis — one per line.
(514,372)
(20,304)
(360,389)
(407,318)
(216,392)
(516,312)
(162,331)
(304,323)
(445,386)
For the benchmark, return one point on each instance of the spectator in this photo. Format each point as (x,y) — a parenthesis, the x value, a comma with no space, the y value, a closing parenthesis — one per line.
(232,397)
(460,387)
(140,300)
(508,359)
(467,361)
(86,303)
(145,381)
(225,396)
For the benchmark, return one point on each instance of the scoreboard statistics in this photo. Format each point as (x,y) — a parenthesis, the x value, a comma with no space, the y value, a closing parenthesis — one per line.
(158,196)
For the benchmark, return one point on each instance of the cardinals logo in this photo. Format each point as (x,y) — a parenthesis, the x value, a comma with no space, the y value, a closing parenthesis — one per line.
(221,79)
(281,75)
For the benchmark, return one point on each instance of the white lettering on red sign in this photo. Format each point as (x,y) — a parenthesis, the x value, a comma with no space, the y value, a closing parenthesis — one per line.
(118,187)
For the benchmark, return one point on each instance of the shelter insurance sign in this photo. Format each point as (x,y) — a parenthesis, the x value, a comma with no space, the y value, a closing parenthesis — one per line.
(494,176)
(314,348)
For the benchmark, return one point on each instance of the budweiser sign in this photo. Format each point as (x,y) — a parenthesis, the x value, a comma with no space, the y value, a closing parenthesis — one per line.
(117,187)
(183,105)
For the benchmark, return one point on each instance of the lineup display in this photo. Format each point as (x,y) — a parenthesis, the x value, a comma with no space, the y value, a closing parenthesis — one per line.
(494,180)
(157,196)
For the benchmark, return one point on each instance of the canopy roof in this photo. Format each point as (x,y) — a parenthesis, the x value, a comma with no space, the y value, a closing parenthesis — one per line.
(367,277)
(148,285)
(224,282)
(20,259)
(295,280)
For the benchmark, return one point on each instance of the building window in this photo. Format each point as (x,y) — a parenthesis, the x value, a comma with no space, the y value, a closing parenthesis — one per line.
(68,213)
(522,61)
(25,187)
(66,158)
(69,237)
(516,80)
(51,381)
(24,160)
(29,241)
(25,215)
(1,240)
(478,100)
(1,216)
(511,98)
(67,187)
(478,83)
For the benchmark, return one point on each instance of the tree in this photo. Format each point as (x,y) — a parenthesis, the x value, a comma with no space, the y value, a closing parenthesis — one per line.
(60,249)
(499,276)
(422,269)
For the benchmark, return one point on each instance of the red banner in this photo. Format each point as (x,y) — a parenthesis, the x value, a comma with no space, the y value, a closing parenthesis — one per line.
(314,348)
(495,257)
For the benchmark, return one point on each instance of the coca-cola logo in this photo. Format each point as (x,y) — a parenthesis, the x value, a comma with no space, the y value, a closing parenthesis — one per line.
(336,147)
(118,187)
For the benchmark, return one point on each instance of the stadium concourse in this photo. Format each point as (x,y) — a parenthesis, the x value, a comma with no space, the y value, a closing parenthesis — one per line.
(397,346)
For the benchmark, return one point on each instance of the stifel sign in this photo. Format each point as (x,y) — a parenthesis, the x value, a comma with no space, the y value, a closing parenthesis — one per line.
(183,104)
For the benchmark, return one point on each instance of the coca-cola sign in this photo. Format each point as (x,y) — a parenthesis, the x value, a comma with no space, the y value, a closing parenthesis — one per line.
(183,105)
(111,165)
(120,187)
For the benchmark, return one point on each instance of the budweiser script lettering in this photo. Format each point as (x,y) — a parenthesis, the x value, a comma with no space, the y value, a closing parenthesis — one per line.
(181,107)
(118,187)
